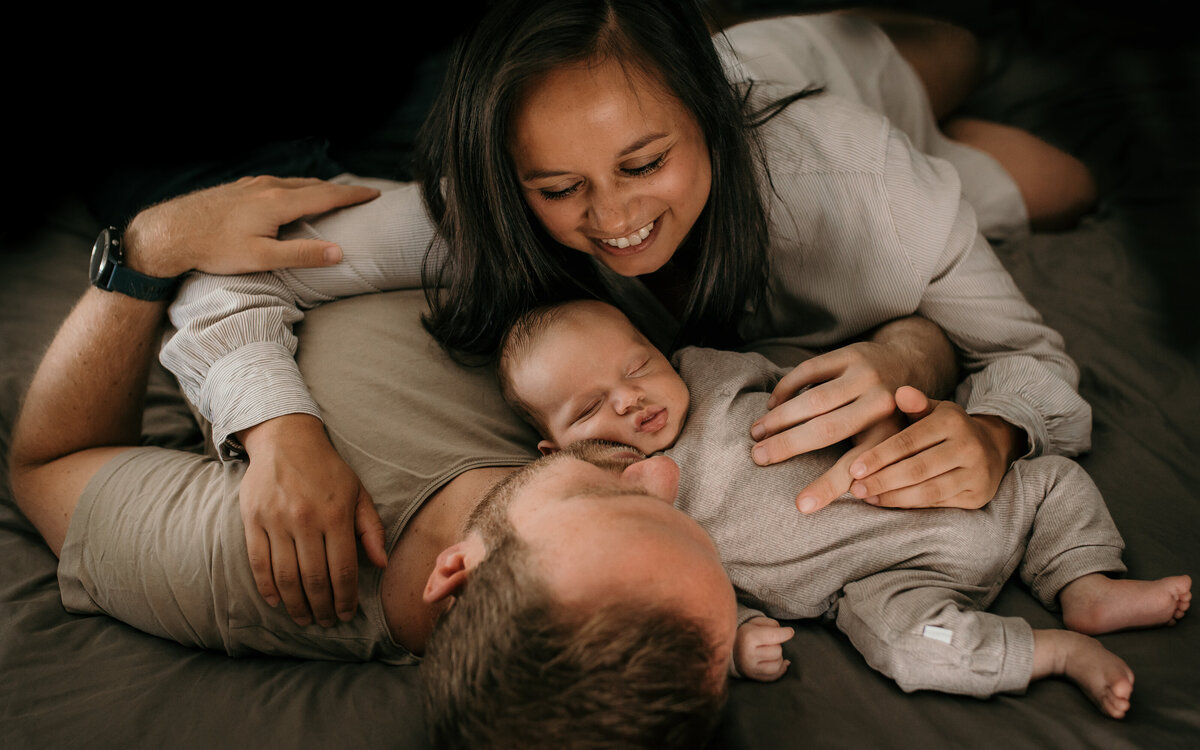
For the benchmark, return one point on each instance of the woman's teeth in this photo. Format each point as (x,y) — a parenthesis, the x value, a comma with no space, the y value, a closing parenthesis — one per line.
(633,239)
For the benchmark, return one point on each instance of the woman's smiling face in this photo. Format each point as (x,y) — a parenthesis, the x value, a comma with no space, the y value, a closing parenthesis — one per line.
(611,163)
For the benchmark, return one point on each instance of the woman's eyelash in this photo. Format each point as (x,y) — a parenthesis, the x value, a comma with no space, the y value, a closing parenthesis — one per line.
(554,195)
(645,169)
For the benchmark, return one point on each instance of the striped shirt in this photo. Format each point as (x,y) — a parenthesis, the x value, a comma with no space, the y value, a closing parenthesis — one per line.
(865,228)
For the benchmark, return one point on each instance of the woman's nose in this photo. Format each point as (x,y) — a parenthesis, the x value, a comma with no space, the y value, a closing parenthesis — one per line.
(610,211)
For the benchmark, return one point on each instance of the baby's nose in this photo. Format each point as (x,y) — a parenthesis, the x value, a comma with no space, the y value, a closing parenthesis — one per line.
(629,400)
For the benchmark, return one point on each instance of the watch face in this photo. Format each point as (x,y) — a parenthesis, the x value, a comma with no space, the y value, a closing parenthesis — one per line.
(99,257)
(104,256)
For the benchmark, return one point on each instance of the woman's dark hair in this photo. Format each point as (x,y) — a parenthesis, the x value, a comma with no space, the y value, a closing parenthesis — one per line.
(500,261)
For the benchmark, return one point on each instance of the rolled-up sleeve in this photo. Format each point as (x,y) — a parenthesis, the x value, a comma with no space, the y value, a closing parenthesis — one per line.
(1017,367)
(233,347)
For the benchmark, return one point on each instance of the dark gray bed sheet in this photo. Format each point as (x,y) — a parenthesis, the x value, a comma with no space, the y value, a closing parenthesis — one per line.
(1120,288)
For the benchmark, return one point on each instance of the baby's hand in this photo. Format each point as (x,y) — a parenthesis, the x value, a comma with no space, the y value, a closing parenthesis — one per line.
(758,649)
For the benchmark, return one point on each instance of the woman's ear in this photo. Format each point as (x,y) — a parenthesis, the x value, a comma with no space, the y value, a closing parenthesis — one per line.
(452,568)
(547,447)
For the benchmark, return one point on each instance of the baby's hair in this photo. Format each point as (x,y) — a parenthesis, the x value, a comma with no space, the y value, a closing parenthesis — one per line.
(516,344)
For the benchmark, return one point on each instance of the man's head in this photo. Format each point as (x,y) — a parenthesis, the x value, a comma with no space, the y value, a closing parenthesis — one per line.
(587,612)
(581,371)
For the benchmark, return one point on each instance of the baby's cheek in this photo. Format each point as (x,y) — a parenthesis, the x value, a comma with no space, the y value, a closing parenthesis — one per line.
(594,430)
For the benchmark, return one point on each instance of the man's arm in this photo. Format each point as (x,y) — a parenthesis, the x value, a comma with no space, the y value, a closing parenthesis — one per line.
(83,407)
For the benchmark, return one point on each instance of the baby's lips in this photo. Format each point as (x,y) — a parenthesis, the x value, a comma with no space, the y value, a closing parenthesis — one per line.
(653,423)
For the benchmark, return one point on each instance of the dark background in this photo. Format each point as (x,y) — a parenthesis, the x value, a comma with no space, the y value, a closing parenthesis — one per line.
(123,112)
(118,111)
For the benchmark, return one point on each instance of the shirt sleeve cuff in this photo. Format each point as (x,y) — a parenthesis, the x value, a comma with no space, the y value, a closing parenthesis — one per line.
(252,384)
(1027,394)
(1014,410)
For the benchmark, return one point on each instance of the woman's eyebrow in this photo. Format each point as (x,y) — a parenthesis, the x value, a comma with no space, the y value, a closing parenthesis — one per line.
(640,143)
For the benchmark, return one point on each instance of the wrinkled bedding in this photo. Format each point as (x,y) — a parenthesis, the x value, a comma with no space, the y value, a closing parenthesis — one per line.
(1121,288)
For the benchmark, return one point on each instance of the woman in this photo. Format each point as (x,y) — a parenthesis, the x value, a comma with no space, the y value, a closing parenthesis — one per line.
(598,149)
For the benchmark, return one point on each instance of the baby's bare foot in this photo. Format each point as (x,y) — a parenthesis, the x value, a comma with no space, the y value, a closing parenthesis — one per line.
(1103,676)
(1096,604)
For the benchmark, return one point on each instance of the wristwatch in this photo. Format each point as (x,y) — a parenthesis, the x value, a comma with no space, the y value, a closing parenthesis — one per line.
(108,273)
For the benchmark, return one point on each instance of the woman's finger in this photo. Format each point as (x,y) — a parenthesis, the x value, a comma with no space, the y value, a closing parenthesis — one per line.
(311,556)
(919,467)
(943,491)
(835,482)
(287,579)
(917,437)
(816,433)
(258,548)
(815,370)
(824,430)
(814,402)
(369,527)
(342,559)
(828,487)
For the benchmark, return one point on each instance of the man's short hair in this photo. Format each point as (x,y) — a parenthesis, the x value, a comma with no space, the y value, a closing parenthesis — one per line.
(509,667)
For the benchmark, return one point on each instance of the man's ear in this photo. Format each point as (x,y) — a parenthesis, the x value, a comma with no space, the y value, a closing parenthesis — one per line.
(547,447)
(451,569)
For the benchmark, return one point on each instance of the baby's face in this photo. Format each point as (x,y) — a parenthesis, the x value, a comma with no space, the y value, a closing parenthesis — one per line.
(592,375)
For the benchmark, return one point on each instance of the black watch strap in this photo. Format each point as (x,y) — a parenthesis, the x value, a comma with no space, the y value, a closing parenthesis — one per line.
(134,284)
(110,274)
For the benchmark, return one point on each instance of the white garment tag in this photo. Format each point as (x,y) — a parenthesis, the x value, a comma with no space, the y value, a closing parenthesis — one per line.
(938,634)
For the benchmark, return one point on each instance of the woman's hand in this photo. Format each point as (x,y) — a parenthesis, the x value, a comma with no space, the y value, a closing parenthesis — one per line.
(302,508)
(946,458)
(851,390)
(234,228)
(850,399)
(852,395)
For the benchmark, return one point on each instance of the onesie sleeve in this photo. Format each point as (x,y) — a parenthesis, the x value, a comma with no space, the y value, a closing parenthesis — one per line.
(233,347)
(1017,366)
(744,615)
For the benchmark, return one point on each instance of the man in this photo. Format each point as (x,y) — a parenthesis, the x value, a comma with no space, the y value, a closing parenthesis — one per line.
(152,536)
(563,614)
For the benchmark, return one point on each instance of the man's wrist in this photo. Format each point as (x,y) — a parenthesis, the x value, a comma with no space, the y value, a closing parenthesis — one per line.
(147,248)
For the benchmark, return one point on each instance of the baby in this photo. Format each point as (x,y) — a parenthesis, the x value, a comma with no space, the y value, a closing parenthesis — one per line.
(908,588)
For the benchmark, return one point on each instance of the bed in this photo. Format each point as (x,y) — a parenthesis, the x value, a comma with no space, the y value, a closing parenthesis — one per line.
(1122,93)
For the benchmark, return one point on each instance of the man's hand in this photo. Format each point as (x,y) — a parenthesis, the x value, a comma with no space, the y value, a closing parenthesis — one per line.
(946,458)
(758,649)
(302,508)
(234,228)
